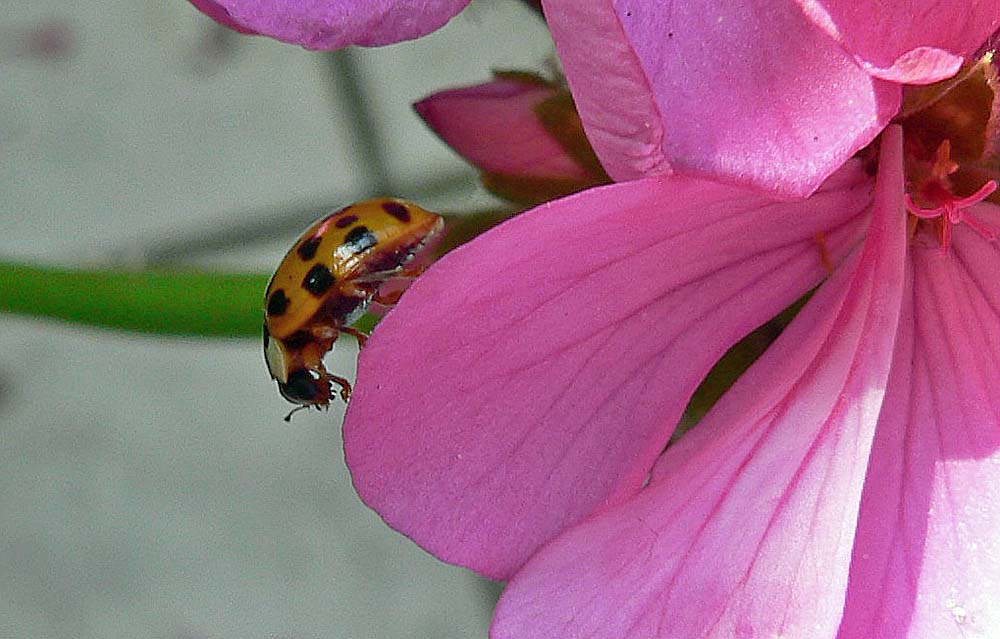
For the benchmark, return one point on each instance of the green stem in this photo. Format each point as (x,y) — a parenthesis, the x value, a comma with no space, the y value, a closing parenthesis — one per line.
(160,302)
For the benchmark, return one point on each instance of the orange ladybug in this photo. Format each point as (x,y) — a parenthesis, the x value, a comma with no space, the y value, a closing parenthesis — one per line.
(326,282)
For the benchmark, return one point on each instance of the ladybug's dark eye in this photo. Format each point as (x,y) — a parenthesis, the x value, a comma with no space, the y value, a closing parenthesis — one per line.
(303,387)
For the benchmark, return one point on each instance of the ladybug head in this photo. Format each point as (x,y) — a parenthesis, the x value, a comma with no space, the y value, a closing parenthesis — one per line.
(306,387)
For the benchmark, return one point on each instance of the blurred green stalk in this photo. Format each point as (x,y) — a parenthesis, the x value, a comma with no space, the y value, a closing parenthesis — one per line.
(168,302)
(160,302)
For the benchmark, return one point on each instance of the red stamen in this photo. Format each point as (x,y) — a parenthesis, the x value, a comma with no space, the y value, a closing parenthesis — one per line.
(955,211)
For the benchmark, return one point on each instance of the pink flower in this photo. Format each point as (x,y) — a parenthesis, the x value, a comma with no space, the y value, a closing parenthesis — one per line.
(522,131)
(774,95)
(511,413)
(333,24)
(838,490)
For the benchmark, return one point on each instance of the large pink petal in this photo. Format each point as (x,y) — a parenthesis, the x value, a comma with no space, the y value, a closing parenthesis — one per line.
(737,91)
(927,556)
(747,526)
(533,375)
(494,126)
(907,41)
(334,24)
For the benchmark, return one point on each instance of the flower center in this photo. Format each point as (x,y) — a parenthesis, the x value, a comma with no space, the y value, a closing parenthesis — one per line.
(933,198)
(952,150)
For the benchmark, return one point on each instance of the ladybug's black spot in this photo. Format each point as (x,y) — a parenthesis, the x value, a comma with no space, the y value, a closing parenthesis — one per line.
(396,210)
(360,239)
(345,221)
(278,303)
(318,280)
(302,387)
(307,250)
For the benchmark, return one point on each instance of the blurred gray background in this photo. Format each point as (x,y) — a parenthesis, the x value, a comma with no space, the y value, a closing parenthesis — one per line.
(148,486)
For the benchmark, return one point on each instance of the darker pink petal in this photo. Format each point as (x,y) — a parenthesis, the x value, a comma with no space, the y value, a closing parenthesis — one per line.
(334,24)
(495,127)
(736,91)
(747,527)
(532,376)
(907,41)
(927,556)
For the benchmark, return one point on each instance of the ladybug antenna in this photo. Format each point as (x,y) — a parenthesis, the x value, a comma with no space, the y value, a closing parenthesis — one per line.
(288,417)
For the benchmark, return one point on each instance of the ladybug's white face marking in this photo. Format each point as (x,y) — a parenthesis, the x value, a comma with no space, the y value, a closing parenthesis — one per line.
(274,355)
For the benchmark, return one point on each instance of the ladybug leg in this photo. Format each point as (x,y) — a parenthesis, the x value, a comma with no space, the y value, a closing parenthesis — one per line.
(325,336)
(401,281)
(353,290)
(414,271)
(345,386)
(359,335)
(388,300)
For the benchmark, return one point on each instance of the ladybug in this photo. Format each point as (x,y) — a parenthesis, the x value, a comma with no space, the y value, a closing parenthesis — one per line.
(327,281)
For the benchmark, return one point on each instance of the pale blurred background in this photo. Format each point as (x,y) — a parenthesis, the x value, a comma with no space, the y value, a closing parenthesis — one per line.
(148,486)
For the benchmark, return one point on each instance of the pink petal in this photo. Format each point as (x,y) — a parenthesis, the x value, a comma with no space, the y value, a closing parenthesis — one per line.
(217,12)
(746,92)
(534,374)
(927,556)
(495,127)
(747,527)
(907,41)
(334,24)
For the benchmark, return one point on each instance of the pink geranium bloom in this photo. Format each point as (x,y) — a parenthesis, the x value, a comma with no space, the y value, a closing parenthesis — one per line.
(839,488)
(511,414)
(773,94)
(521,131)
(333,24)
